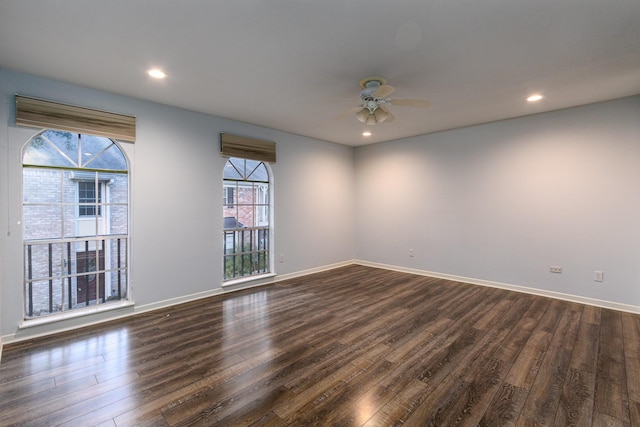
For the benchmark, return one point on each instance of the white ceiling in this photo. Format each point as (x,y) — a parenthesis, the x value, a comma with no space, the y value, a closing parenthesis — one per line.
(294,65)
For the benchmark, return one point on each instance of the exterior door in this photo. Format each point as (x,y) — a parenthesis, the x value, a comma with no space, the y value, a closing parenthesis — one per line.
(87,284)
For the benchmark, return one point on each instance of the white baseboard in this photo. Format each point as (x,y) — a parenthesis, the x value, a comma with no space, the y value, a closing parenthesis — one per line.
(314,270)
(516,288)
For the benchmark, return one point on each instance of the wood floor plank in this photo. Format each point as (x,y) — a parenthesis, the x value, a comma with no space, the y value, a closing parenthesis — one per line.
(476,398)
(352,346)
(611,395)
(576,401)
(544,397)
(340,405)
(505,408)
(12,408)
(631,337)
(432,408)
(519,335)
(526,367)
(397,407)
(56,409)
(578,394)
(634,412)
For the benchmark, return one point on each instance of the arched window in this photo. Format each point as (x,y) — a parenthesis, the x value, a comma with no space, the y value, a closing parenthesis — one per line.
(247,219)
(75,222)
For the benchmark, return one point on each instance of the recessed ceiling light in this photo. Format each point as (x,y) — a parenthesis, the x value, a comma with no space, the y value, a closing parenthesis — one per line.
(534,98)
(157,73)
(366,133)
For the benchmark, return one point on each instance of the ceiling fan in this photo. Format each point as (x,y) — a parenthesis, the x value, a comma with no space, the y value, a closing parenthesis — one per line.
(374,100)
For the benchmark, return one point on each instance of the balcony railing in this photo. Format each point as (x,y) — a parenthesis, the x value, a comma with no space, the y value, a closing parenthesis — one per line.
(246,252)
(63,275)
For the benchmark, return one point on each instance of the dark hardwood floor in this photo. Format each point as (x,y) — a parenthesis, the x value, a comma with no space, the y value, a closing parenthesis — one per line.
(355,346)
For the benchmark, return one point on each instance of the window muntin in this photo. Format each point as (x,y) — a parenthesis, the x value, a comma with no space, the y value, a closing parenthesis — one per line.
(75,222)
(246,208)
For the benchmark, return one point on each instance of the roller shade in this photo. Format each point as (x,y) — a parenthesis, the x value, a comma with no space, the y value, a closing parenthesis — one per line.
(53,115)
(247,148)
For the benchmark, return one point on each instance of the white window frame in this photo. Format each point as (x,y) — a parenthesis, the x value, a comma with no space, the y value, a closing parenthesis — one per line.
(264,219)
(102,242)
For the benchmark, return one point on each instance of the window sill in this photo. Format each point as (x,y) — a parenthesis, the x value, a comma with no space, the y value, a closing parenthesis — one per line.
(87,311)
(259,279)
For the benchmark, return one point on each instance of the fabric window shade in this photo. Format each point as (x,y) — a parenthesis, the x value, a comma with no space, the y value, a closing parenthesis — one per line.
(247,148)
(53,115)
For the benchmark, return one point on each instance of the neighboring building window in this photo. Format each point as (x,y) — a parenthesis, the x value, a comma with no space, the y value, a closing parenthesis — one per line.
(75,218)
(88,202)
(247,222)
(228,196)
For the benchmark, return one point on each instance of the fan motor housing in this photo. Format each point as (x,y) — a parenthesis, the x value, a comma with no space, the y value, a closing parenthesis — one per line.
(368,82)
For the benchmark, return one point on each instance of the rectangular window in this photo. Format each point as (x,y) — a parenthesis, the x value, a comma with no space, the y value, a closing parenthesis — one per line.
(228,197)
(88,203)
(246,218)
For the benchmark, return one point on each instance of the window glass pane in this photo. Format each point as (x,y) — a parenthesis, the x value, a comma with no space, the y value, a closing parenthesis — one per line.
(233,170)
(117,220)
(42,222)
(93,156)
(115,290)
(70,216)
(257,171)
(87,226)
(41,185)
(65,142)
(52,148)
(245,194)
(250,215)
(117,187)
(40,257)
(41,303)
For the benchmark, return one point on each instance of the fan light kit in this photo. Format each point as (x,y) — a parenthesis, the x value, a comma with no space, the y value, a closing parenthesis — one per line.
(374,100)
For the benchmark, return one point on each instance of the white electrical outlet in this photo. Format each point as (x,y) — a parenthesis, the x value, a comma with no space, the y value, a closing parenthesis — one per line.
(598,276)
(411,253)
(555,269)
(281,258)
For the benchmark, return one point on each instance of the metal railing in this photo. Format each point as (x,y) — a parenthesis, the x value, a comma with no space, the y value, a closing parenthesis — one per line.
(246,252)
(68,274)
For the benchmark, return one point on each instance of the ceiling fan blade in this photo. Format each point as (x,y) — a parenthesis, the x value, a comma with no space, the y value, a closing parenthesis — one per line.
(383,91)
(390,116)
(422,103)
(349,112)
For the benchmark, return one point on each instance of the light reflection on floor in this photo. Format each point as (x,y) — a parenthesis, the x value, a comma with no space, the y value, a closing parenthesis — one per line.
(247,317)
(103,356)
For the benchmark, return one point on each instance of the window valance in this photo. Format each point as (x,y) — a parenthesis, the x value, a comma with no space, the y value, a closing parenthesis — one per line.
(40,113)
(247,148)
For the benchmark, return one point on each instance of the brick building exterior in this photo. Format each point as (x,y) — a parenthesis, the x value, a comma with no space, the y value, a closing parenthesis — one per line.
(57,267)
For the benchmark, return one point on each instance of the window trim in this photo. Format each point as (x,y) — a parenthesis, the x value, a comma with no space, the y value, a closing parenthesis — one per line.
(122,242)
(269,227)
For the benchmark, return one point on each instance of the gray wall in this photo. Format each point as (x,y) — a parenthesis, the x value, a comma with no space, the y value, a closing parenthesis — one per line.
(176,198)
(502,202)
(499,202)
